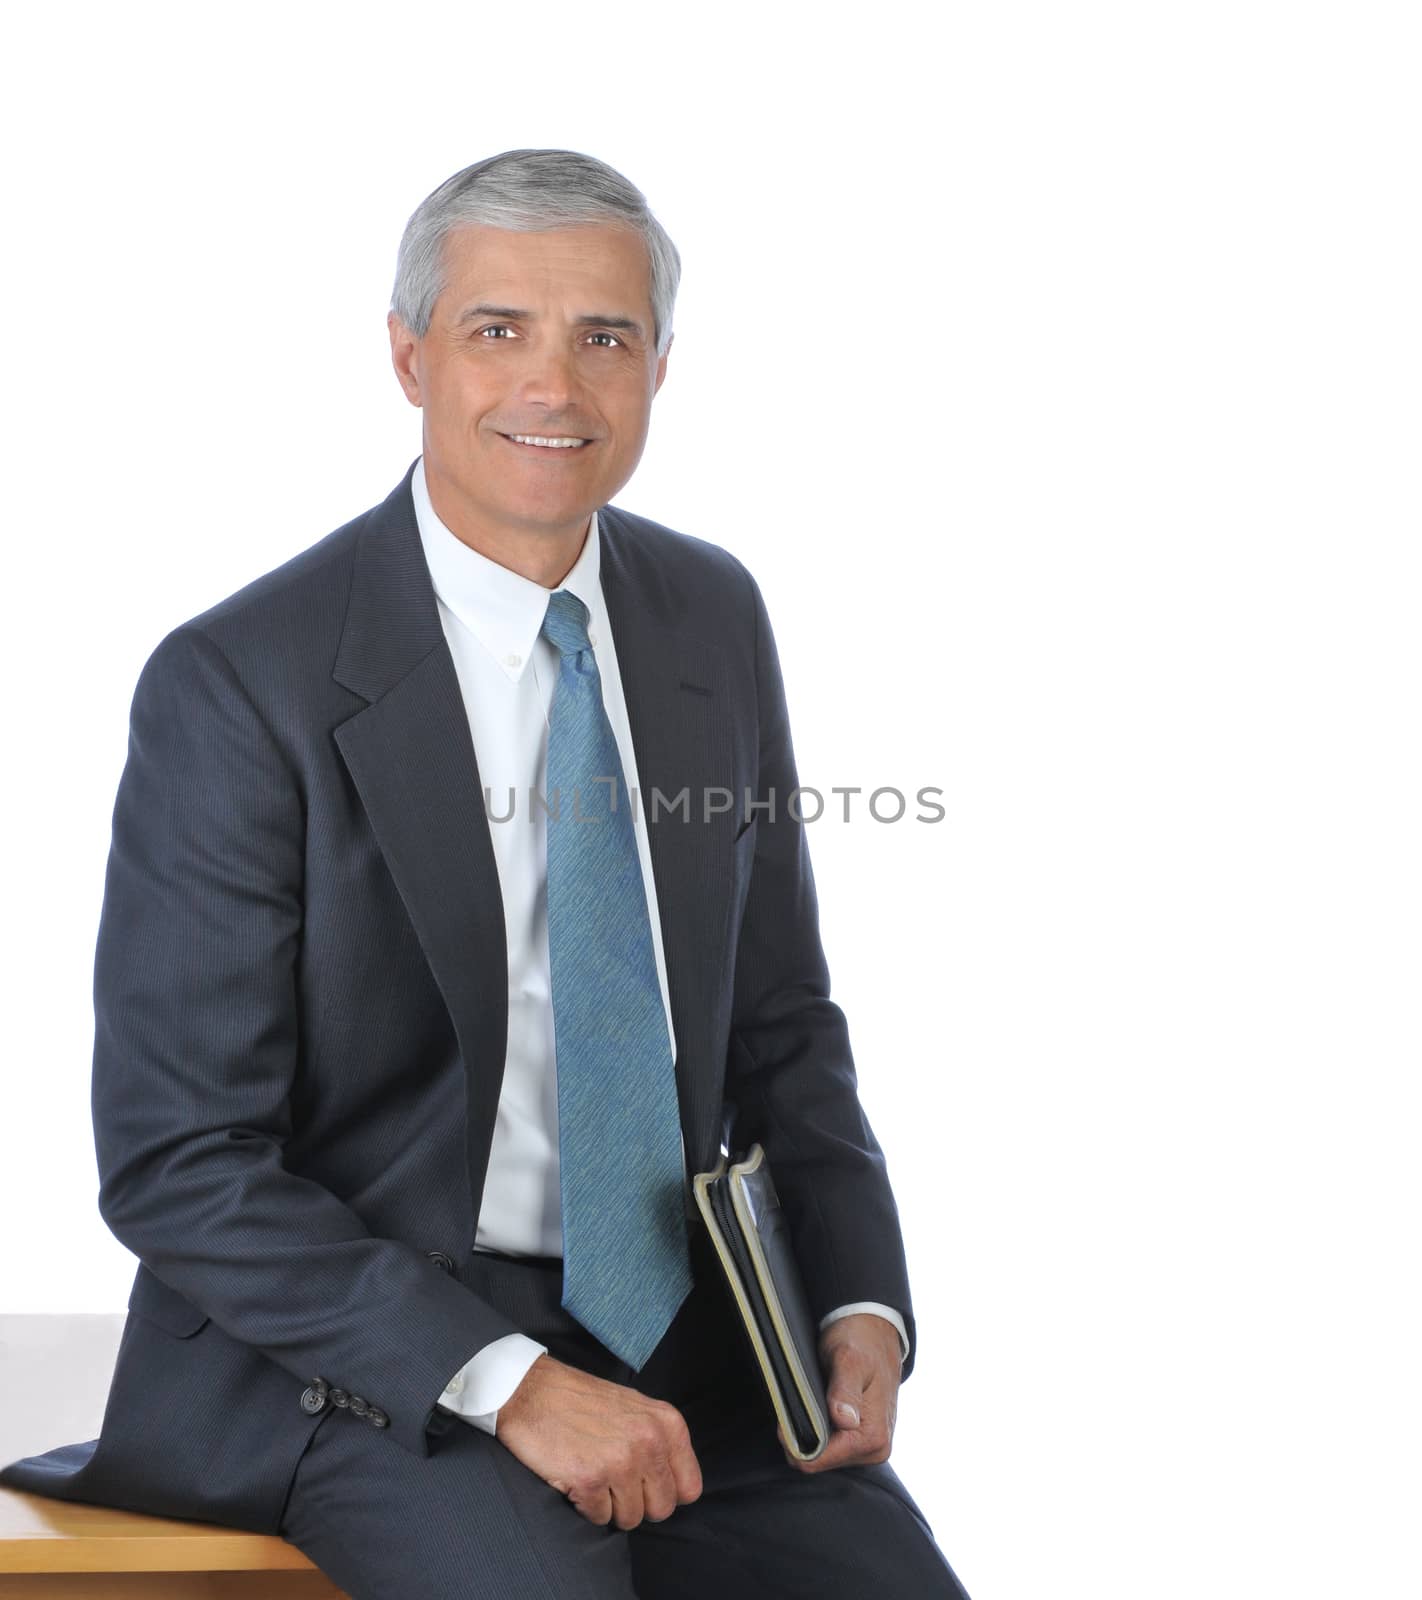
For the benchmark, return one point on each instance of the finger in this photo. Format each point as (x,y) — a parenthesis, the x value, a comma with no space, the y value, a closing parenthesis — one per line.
(846,1388)
(869,1442)
(627,1503)
(595,1505)
(686,1474)
(659,1495)
(844,1412)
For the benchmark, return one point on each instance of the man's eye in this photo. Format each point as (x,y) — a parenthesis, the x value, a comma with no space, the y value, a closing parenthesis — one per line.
(495,327)
(611,336)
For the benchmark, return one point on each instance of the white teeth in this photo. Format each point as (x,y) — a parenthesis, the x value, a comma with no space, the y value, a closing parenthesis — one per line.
(551,444)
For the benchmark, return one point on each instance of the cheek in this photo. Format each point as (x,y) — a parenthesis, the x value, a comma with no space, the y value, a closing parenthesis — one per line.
(461,403)
(629,405)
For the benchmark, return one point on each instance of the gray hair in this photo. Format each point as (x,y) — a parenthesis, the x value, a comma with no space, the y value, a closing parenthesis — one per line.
(528,191)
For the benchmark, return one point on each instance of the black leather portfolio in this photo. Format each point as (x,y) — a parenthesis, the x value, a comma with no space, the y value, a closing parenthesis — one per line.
(743,1216)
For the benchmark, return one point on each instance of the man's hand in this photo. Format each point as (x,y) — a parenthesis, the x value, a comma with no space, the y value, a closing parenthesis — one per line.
(860,1355)
(618,1456)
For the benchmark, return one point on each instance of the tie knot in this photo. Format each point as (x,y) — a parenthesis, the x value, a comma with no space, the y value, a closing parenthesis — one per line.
(565,625)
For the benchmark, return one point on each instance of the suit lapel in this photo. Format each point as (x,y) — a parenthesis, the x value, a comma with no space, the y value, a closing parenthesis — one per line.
(411,756)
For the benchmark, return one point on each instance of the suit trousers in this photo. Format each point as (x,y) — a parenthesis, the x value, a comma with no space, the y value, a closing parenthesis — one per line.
(470,1520)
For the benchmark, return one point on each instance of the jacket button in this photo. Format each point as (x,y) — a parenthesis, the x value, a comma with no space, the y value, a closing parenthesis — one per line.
(339,1397)
(313,1402)
(359,1407)
(377,1418)
(443,1262)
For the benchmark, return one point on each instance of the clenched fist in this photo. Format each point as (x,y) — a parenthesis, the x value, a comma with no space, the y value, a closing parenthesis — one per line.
(618,1456)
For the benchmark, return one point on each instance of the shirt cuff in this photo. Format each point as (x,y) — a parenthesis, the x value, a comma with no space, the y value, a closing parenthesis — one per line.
(486,1381)
(873,1306)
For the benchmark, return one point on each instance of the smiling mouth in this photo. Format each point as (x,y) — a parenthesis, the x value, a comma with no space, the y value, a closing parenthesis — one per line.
(549,444)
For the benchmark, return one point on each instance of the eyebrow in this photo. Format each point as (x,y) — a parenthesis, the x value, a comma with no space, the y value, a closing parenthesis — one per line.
(513,314)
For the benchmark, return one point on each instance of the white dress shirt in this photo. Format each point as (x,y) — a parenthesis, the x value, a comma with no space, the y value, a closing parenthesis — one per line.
(507,674)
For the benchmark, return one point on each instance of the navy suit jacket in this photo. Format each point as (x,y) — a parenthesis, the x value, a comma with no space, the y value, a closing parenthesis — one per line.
(300,997)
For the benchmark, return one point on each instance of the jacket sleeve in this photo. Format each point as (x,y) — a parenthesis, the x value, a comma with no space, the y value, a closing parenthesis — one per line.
(196,1047)
(790,1074)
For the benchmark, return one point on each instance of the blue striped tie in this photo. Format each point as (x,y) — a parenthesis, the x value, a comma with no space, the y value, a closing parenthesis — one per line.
(626,1266)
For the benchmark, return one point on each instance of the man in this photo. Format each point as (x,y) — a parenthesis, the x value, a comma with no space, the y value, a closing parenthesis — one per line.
(402,1066)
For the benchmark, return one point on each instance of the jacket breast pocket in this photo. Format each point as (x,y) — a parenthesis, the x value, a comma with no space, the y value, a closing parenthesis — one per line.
(155,1302)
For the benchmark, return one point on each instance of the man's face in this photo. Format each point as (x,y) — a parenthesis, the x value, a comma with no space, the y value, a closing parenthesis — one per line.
(534,333)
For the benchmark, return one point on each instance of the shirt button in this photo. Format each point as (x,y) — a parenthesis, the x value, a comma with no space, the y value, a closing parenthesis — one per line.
(513,660)
(455,1384)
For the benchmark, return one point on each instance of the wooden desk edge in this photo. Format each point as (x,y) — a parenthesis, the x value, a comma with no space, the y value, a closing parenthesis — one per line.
(41,1535)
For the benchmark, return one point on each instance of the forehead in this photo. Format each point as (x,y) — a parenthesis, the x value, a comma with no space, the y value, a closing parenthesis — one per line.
(603,260)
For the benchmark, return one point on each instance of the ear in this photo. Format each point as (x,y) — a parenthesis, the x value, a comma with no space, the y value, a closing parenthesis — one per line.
(404,357)
(662,364)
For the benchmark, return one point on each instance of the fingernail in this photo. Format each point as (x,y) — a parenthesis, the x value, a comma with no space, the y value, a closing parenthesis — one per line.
(847,1410)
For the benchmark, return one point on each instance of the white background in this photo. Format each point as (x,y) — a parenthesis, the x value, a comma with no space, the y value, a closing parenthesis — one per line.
(1056,370)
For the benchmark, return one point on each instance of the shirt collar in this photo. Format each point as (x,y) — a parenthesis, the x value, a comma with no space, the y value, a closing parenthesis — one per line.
(501,608)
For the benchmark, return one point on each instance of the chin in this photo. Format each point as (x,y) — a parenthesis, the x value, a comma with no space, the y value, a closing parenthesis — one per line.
(550,517)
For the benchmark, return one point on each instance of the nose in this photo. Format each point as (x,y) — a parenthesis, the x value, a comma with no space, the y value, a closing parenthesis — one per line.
(550,381)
